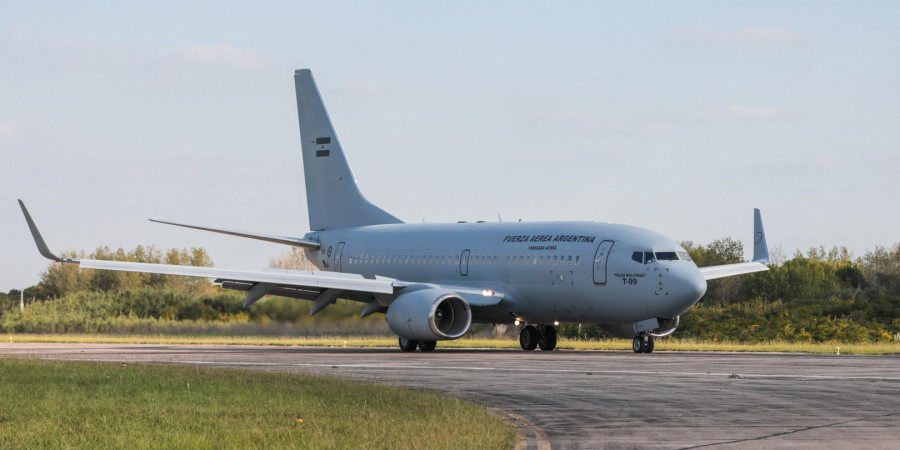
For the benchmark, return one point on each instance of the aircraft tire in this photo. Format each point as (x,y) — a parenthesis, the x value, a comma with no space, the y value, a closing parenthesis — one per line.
(408,345)
(547,341)
(528,338)
(638,344)
(427,346)
(648,345)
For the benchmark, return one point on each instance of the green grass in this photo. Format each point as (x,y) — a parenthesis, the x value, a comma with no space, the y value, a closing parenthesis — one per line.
(101,405)
(668,344)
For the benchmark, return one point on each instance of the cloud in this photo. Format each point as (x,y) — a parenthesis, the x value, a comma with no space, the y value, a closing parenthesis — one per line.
(737,113)
(224,55)
(10,131)
(590,123)
(824,162)
(748,37)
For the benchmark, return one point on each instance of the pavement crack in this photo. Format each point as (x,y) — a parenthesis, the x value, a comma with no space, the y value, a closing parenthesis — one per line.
(783,433)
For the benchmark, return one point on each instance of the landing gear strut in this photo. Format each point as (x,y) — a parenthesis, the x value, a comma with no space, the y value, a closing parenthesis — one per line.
(643,344)
(544,336)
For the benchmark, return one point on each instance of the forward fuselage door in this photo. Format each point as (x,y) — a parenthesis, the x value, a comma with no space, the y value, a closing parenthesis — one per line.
(600,259)
(337,257)
(464,263)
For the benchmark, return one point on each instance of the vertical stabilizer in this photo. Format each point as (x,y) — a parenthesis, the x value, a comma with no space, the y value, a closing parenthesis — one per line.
(332,195)
(760,247)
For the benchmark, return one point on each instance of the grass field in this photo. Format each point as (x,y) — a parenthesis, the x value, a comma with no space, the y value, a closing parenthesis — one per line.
(93,405)
(883,348)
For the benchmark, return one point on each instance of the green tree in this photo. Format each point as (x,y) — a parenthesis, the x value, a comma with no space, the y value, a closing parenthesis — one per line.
(718,252)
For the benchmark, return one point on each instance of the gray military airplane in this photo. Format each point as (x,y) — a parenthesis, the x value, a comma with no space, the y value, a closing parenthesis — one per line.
(433,281)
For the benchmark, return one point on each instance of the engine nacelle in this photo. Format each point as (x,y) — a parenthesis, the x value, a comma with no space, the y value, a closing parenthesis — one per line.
(429,314)
(659,327)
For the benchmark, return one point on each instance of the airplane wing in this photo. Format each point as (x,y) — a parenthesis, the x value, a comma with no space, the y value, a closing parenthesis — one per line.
(310,285)
(760,256)
(323,288)
(295,242)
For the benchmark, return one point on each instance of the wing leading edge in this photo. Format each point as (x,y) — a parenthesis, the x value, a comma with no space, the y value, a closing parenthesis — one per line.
(760,256)
(323,288)
(310,285)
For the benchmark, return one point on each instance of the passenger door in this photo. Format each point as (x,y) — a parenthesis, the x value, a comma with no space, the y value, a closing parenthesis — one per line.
(337,257)
(464,263)
(600,259)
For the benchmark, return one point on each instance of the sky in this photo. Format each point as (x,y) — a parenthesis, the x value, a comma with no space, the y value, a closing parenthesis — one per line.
(680,117)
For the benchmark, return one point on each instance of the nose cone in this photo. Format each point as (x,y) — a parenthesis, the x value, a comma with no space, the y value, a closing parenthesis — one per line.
(695,284)
(688,287)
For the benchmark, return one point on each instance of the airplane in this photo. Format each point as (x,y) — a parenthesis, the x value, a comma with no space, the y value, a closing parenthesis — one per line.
(433,281)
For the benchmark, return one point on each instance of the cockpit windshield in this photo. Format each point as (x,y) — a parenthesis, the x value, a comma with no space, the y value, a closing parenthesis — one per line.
(649,257)
(667,256)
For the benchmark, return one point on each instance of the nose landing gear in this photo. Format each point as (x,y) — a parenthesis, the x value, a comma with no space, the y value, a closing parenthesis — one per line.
(643,344)
(544,336)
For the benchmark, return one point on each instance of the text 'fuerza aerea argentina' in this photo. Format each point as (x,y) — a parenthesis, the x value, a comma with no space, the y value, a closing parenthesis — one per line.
(549,238)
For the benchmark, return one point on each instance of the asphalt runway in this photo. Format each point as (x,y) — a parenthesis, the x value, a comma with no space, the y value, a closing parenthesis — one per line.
(577,399)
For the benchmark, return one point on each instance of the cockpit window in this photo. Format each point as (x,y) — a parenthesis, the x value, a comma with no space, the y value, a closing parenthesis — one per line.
(667,256)
(648,257)
(684,256)
(638,257)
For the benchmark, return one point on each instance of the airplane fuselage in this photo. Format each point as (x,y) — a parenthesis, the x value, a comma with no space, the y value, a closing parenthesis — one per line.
(545,271)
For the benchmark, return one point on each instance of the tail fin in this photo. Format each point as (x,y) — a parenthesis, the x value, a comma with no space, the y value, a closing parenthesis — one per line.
(333,198)
(760,247)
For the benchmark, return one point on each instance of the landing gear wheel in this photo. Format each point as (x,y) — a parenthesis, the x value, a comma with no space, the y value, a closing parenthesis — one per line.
(547,341)
(408,345)
(649,345)
(427,346)
(529,337)
(638,344)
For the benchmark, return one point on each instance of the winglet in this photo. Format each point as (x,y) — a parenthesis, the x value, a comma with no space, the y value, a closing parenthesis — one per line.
(38,239)
(760,248)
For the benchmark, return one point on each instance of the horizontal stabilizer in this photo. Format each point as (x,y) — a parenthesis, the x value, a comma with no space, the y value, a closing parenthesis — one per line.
(287,240)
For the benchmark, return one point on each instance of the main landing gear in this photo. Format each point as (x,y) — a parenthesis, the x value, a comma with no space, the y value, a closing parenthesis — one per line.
(544,336)
(642,344)
(409,345)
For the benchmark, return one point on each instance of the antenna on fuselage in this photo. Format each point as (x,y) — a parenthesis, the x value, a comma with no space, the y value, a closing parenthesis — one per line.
(499,218)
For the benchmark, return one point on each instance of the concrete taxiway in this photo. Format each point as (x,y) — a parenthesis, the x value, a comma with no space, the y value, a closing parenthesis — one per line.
(577,399)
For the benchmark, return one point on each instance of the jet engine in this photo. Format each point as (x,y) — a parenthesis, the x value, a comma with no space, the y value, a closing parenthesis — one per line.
(429,314)
(659,327)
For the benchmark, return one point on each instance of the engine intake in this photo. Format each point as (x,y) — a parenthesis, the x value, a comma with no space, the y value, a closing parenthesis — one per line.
(429,314)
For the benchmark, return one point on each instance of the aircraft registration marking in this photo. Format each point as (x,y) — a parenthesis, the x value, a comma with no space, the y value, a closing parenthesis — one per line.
(629,279)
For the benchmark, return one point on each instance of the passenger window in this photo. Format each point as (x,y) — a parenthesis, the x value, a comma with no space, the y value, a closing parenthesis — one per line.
(577,258)
(569,260)
(554,260)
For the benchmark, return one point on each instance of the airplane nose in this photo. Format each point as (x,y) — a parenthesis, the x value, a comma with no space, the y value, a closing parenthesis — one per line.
(691,287)
(696,284)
